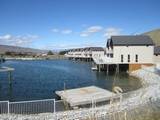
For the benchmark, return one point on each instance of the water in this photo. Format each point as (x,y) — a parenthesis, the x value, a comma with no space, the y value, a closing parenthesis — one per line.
(40,79)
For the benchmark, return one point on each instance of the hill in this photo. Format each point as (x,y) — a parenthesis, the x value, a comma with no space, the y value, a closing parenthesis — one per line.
(6,48)
(155,35)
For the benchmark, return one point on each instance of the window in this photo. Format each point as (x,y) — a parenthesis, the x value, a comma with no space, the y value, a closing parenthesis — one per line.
(111,55)
(136,58)
(121,58)
(128,58)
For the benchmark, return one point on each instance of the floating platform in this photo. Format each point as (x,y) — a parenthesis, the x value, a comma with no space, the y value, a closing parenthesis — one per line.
(6,69)
(85,95)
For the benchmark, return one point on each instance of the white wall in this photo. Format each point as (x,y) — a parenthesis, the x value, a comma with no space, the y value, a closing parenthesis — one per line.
(156,59)
(145,54)
(97,53)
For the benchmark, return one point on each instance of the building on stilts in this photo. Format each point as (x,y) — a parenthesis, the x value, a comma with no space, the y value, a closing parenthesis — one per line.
(126,53)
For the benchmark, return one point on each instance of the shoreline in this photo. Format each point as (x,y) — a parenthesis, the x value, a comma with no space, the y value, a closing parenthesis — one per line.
(36,58)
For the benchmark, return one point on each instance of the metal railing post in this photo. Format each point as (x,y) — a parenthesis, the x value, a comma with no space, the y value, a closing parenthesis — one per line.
(54,106)
(8,107)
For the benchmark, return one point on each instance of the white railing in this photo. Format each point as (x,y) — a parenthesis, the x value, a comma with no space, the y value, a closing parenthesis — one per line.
(4,107)
(28,107)
(32,107)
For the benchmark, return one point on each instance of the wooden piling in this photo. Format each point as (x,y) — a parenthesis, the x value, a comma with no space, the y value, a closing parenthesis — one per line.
(117,68)
(99,68)
(10,77)
(107,68)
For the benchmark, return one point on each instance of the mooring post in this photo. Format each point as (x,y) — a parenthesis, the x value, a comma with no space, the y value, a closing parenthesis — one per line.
(10,77)
(99,68)
(107,69)
(117,68)
(8,106)
(54,105)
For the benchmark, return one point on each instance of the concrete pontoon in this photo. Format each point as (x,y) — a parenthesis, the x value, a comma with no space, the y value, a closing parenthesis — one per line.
(85,95)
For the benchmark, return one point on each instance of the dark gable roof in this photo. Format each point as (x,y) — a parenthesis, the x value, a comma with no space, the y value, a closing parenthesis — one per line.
(157,50)
(95,49)
(87,49)
(131,40)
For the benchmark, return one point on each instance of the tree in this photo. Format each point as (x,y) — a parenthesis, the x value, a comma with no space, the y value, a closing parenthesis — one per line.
(62,52)
(50,53)
(8,53)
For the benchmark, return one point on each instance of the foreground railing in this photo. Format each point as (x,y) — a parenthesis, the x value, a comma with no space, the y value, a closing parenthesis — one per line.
(32,107)
(28,107)
(4,107)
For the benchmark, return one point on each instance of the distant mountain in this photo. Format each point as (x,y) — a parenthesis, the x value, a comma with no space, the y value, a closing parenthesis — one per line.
(7,48)
(155,35)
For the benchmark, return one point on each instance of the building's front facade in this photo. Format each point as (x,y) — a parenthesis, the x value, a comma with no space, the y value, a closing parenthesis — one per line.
(130,49)
(133,51)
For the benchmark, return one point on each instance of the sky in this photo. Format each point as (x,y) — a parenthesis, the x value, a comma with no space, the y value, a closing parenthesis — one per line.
(64,24)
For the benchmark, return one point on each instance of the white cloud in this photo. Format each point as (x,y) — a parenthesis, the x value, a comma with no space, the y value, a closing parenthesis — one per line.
(6,37)
(84,34)
(94,29)
(66,31)
(55,30)
(63,31)
(91,30)
(19,40)
(112,31)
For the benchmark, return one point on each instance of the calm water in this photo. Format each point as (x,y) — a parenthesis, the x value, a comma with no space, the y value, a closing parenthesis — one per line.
(40,79)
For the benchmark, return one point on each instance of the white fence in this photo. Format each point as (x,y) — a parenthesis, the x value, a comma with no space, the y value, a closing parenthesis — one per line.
(4,107)
(28,107)
(32,107)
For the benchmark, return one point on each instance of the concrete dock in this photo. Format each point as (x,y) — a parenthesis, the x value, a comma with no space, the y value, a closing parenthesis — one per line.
(85,95)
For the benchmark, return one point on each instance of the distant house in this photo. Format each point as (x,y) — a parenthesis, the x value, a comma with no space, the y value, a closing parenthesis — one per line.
(85,53)
(133,51)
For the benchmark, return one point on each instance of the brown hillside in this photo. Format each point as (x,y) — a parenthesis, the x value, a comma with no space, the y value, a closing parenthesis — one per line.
(155,35)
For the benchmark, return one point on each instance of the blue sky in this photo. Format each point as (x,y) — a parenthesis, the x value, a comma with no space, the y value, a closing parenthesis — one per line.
(59,24)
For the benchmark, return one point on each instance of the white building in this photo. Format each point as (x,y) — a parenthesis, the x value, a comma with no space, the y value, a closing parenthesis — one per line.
(133,51)
(85,53)
(130,49)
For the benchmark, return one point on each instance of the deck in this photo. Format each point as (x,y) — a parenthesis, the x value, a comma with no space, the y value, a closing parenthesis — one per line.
(85,95)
